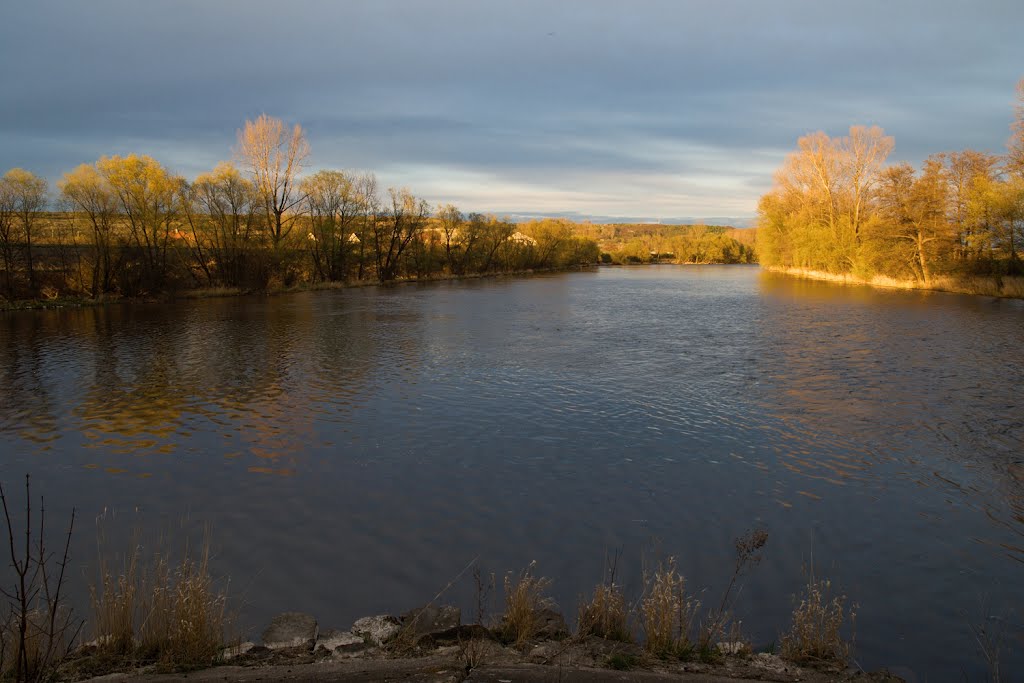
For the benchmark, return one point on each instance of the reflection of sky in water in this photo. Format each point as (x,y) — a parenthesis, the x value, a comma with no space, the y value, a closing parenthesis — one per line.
(353,450)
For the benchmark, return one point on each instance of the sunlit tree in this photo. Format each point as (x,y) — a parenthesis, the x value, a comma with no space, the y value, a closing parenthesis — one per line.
(222,209)
(8,238)
(28,193)
(965,172)
(400,223)
(1015,156)
(334,204)
(149,198)
(913,210)
(86,190)
(451,222)
(864,153)
(274,155)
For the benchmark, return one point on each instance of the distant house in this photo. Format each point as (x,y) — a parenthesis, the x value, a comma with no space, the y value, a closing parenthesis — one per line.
(353,239)
(520,238)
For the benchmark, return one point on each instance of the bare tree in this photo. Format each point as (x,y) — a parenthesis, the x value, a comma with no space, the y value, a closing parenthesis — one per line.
(451,220)
(366,223)
(221,209)
(7,236)
(39,628)
(274,156)
(393,232)
(865,150)
(28,192)
(334,203)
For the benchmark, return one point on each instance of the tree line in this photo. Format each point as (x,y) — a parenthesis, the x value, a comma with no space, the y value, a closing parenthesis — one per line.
(131,227)
(635,243)
(838,207)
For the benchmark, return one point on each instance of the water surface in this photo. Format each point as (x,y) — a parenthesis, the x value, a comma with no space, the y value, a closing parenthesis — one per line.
(354,450)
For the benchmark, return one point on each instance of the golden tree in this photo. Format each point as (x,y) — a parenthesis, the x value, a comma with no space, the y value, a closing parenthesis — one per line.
(274,156)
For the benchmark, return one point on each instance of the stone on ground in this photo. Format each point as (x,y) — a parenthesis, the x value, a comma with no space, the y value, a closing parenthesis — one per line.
(340,641)
(379,629)
(432,619)
(552,625)
(291,629)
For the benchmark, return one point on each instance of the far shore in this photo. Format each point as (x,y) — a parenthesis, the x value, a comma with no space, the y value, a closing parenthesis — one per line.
(222,292)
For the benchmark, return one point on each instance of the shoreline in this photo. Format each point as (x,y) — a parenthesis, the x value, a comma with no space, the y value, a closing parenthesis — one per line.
(1009,287)
(229,292)
(431,643)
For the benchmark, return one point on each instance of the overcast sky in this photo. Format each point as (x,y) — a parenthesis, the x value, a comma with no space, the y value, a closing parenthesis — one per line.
(594,108)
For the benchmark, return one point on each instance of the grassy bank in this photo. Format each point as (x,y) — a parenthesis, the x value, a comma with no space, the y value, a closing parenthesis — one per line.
(1011,287)
(155,607)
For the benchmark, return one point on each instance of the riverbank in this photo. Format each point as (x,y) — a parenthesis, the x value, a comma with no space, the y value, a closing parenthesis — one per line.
(1010,287)
(224,292)
(431,644)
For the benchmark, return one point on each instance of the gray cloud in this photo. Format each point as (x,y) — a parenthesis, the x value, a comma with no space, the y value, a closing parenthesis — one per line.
(595,107)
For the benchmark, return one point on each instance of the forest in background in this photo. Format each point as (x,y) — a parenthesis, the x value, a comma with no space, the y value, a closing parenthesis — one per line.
(127,226)
(634,243)
(837,207)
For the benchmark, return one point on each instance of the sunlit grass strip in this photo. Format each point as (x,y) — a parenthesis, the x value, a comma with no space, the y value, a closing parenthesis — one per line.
(986,285)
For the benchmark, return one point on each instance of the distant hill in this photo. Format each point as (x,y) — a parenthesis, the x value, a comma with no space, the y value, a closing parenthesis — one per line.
(726,221)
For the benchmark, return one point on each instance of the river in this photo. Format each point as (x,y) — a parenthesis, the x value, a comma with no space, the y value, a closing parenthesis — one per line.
(352,451)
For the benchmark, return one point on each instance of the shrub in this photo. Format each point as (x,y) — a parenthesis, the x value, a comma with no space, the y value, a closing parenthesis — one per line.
(818,620)
(37,628)
(604,615)
(524,603)
(161,610)
(668,612)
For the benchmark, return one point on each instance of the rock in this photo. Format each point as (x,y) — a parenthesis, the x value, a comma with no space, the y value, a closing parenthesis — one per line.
(431,619)
(99,643)
(379,629)
(340,641)
(291,629)
(552,625)
(735,648)
(233,651)
(454,636)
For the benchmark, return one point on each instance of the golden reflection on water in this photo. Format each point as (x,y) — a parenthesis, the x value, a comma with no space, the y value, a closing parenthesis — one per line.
(260,374)
(836,384)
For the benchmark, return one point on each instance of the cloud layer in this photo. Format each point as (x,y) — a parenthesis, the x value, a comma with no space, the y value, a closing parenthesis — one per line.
(651,108)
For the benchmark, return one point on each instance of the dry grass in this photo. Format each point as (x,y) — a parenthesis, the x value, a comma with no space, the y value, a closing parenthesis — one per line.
(161,610)
(524,603)
(474,652)
(719,623)
(818,621)
(605,614)
(34,657)
(985,285)
(668,612)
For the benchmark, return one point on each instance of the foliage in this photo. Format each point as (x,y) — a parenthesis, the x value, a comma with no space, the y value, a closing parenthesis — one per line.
(657,243)
(838,209)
